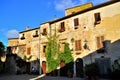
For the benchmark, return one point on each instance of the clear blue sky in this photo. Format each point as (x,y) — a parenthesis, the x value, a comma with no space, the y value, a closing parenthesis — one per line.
(15,15)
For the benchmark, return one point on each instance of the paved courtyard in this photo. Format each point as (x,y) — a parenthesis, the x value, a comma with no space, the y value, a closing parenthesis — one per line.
(34,77)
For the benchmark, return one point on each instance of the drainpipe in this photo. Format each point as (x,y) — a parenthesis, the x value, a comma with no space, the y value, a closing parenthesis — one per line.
(39,51)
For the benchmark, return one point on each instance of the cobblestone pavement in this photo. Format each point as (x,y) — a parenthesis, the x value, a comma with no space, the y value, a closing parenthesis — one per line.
(16,77)
(35,77)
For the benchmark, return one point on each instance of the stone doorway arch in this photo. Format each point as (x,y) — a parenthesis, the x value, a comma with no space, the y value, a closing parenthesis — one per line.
(79,67)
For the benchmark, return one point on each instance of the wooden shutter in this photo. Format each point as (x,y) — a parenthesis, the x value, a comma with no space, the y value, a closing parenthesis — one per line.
(62,47)
(76,22)
(63,26)
(29,51)
(77,45)
(100,41)
(97,17)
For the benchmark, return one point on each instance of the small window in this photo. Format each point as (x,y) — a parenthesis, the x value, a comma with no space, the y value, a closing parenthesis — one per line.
(100,40)
(36,34)
(44,31)
(62,47)
(76,23)
(97,18)
(62,27)
(78,45)
(23,37)
(29,51)
(44,49)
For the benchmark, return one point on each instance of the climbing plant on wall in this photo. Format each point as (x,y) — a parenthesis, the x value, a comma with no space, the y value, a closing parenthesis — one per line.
(52,52)
(66,56)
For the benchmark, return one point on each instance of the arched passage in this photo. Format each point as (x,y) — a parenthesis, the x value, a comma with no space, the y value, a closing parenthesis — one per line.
(79,68)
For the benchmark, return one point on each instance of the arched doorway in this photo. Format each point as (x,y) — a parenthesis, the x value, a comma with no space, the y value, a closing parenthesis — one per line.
(79,68)
(63,71)
(44,67)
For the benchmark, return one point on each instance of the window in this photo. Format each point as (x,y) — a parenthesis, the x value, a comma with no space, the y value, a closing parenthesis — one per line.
(100,41)
(62,27)
(44,49)
(62,47)
(29,51)
(36,34)
(44,31)
(97,18)
(23,37)
(78,45)
(76,23)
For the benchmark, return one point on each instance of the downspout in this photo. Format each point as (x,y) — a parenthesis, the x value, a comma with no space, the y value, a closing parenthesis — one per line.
(39,51)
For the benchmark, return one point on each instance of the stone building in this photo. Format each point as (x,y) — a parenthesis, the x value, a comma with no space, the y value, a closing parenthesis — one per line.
(91,31)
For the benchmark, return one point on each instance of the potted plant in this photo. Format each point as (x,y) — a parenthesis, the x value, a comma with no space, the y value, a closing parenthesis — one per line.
(70,73)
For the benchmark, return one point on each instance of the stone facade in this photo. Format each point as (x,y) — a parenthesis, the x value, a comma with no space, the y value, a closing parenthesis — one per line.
(92,33)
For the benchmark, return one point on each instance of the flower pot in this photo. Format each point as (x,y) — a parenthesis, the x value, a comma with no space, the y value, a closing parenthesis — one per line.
(70,75)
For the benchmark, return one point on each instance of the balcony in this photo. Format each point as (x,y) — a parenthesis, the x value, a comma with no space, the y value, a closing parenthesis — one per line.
(36,35)
(61,30)
(44,33)
(22,38)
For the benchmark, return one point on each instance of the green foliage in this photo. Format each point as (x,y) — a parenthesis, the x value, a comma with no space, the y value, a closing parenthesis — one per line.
(25,58)
(66,55)
(52,52)
(29,57)
(2,48)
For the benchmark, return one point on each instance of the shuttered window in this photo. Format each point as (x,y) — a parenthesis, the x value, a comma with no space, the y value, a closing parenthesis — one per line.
(97,18)
(76,23)
(29,51)
(62,27)
(100,41)
(78,45)
(62,47)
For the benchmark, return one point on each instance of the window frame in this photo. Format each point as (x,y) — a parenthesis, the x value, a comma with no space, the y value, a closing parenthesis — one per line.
(97,17)
(76,23)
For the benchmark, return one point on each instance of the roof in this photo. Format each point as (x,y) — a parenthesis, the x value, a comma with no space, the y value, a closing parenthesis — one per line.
(79,5)
(29,30)
(86,10)
(12,38)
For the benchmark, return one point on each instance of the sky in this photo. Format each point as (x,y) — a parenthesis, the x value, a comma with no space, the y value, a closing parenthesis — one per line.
(15,15)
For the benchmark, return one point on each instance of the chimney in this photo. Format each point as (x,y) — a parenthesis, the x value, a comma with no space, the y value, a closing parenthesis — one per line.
(27,28)
(55,17)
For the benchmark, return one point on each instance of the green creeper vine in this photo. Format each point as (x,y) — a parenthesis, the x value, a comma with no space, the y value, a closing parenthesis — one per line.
(52,52)
(66,56)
